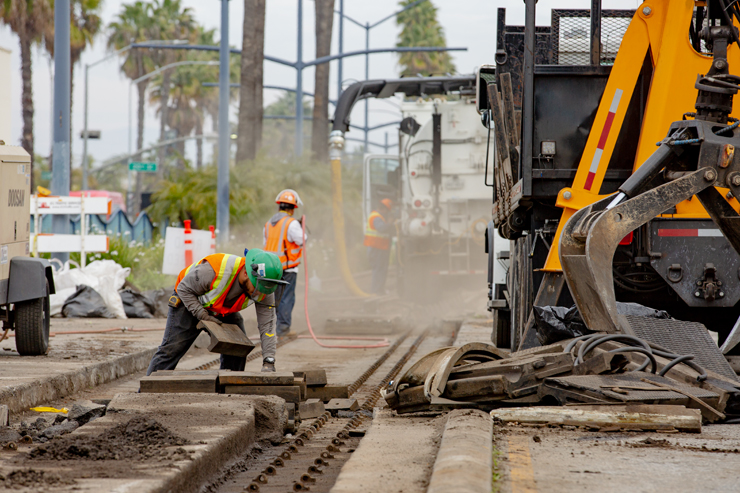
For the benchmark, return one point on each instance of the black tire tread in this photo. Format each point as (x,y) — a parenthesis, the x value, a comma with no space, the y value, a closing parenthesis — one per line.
(30,337)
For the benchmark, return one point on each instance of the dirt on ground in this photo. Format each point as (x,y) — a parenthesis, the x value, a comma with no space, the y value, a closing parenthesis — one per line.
(31,478)
(140,438)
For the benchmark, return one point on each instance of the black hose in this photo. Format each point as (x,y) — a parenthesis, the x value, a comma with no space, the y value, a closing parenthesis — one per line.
(650,358)
(671,364)
(585,348)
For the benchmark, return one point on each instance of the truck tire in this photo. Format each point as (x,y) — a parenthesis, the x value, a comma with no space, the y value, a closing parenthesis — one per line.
(32,326)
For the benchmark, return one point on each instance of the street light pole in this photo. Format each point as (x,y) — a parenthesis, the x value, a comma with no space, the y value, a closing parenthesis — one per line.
(224,132)
(129,193)
(299,86)
(367,77)
(340,48)
(61,146)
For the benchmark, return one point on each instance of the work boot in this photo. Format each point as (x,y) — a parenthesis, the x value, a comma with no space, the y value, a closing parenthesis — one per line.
(268,364)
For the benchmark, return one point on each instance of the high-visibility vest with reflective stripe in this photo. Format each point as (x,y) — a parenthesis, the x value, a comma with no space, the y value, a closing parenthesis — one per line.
(278,243)
(227,269)
(373,237)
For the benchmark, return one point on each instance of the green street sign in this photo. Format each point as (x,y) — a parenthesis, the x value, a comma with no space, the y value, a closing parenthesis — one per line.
(145,167)
(46,175)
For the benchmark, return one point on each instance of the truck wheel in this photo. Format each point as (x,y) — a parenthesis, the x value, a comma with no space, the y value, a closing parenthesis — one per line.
(32,326)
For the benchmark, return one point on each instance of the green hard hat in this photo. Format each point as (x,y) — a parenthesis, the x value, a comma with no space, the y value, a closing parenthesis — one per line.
(264,269)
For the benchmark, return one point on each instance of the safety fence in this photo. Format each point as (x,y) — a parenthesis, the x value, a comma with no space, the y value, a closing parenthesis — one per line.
(141,230)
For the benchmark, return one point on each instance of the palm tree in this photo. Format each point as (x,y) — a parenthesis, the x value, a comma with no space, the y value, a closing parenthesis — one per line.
(320,124)
(133,25)
(249,132)
(28,19)
(420,28)
(169,21)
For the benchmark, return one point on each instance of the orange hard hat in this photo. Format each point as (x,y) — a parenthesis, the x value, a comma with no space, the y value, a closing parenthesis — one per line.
(288,196)
(387,202)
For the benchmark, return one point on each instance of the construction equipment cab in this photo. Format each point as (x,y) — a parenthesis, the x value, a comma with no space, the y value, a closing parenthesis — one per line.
(25,283)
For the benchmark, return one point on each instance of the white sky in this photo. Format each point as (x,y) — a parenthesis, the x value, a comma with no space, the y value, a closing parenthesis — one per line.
(467,23)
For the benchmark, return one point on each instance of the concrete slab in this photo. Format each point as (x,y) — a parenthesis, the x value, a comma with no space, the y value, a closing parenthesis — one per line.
(218,428)
(465,460)
(396,455)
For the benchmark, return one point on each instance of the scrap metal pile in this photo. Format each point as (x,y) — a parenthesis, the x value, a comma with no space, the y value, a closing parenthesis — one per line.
(594,369)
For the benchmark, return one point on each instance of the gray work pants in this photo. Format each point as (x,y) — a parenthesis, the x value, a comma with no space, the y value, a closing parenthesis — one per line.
(378,260)
(180,333)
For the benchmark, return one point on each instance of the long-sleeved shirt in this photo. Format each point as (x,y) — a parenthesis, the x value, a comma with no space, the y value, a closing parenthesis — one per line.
(198,282)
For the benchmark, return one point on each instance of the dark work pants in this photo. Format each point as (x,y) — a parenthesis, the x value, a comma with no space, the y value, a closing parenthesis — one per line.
(180,333)
(286,304)
(379,264)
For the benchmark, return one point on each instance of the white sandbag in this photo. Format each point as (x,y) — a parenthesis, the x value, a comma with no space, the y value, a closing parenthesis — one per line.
(104,276)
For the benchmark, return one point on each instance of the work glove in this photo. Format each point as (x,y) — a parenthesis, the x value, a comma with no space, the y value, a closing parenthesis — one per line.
(213,319)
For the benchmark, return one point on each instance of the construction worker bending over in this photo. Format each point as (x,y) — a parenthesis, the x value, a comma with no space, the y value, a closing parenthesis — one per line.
(378,243)
(216,288)
(283,235)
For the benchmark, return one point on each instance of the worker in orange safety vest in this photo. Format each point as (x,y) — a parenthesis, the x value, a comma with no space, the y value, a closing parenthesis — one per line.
(378,243)
(283,235)
(215,289)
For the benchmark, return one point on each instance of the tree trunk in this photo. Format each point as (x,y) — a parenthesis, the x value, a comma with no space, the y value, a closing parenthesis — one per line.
(27,100)
(320,125)
(249,132)
(165,90)
(199,144)
(140,114)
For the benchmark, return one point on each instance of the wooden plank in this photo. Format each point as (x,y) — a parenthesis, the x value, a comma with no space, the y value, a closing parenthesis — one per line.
(226,377)
(176,372)
(328,392)
(502,142)
(630,416)
(315,377)
(312,408)
(227,339)
(179,384)
(342,405)
(508,98)
(301,384)
(287,392)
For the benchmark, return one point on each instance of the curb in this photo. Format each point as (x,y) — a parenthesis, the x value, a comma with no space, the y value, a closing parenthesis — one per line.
(21,397)
(464,462)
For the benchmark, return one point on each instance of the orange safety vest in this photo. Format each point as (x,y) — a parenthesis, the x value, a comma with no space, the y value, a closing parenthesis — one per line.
(373,237)
(227,269)
(277,242)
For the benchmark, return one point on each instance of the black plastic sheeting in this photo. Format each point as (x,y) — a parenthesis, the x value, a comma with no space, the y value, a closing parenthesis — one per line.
(86,303)
(557,323)
(137,305)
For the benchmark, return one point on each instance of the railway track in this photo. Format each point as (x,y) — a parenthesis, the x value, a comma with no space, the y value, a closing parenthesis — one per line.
(312,459)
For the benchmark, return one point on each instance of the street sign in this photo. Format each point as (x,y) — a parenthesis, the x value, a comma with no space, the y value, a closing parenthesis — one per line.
(46,175)
(144,167)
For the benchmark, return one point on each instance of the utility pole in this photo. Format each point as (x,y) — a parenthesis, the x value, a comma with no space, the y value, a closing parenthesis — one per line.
(224,132)
(299,86)
(61,146)
(340,49)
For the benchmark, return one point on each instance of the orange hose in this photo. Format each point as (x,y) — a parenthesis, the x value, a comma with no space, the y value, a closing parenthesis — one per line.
(383,341)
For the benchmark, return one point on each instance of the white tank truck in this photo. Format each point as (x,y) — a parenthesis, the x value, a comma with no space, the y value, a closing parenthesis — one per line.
(436,181)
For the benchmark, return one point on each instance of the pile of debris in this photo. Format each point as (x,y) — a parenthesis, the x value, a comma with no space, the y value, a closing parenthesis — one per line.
(671,363)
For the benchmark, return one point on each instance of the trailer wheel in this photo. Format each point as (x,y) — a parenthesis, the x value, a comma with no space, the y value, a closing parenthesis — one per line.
(32,319)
